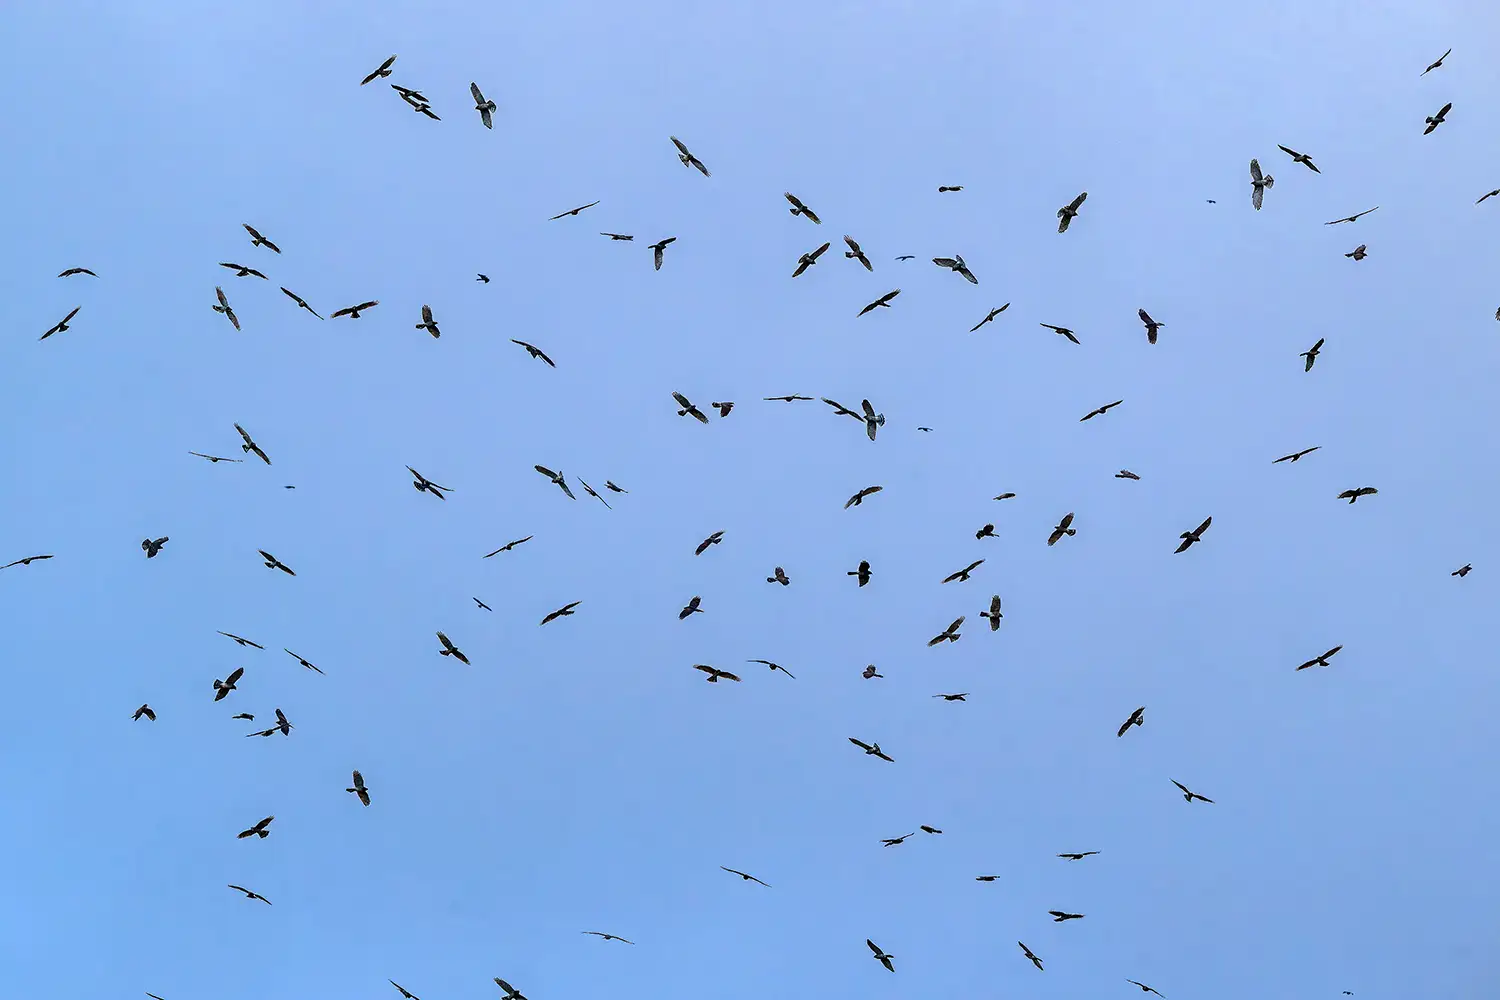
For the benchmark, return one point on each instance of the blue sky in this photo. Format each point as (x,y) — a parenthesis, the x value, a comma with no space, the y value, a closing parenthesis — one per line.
(582,776)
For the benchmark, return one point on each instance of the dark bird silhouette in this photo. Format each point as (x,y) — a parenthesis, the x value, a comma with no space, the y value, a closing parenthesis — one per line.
(451,650)
(1321,661)
(424,485)
(687,158)
(535,352)
(1064,527)
(482,278)
(1058,916)
(250,895)
(1100,411)
(145,711)
(573,211)
(1463,570)
(1490,194)
(988,531)
(301,304)
(1296,456)
(1126,474)
(77,270)
(779,576)
(26,561)
(1069,212)
(1358,253)
(215,458)
(859,498)
(957,266)
(862,573)
(1351,218)
(907,256)
(153,545)
(1152,326)
(929,829)
(714,539)
(1079,856)
(1435,65)
(593,493)
(949,634)
(562,612)
(872,419)
(359,788)
(882,957)
(800,209)
(944,188)
(963,696)
(406,994)
(1144,987)
(225,308)
(787,399)
(807,260)
(884,300)
(273,563)
(613,488)
(962,575)
(1434,121)
(383,70)
(241,271)
(257,240)
(1062,331)
(353,312)
(508,546)
(990,318)
(251,446)
(428,323)
(894,841)
(260,830)
(872,749)
(481,604)
(841,410)
(616,237)
(687,409)
(511,993)
(1034,960)
(1137,718)
(723,408)
(1190,538)
(993,614)
(1301,158)
(240,640)
(870,672)
(743,875)
(228,684)
(715,674)
(1311,355)
(855,253)
(557,480)
(774,667)
(693,608)
(1353,495)
(1004,496)
(300,660)
(1259,184)
(1189,796)
(486,108)
(985,878)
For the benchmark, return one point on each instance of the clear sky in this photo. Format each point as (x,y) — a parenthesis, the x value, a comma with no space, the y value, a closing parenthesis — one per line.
(582,776)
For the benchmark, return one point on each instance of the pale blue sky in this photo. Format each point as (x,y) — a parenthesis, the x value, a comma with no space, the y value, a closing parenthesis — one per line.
(582,776)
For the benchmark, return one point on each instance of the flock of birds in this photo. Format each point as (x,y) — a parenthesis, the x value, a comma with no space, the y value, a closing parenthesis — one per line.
(865,414)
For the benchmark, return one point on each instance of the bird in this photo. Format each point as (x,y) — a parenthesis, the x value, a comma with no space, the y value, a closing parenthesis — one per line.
(907,256)
(145,710)
(929,829)
(251,895)
(872,749)
(557,480)
(26,561)
(894,841)
(613,488)
(153,545)
(1320,661)
(591,492)
(573,211)
(787,399)
(273,563)
(1353,495)
(988,531)
(774,667)
(657,249)
(614,237)
(1259,184)
(424,485)
(77,270)
(862,573)
(723,408)
(1058,916)
(508,546)
(1358,253)
(300,660)
(950,634)
(485,278)
(1137,718)
(405,993)
(1069,212)
(715,674)
(870,673)
(353,312)
(1433,121)
(241,640)
(779,576)
(301,304)
(260,829)
(1034,960)
(693,608)
(1100,411)
(944,188)
(283,726)
(714,539)
(956,265)
(562,612)
(1062,331)
(1064,527)
(1152,326)
(859,498)
(225,308)
(964,696)
(872,419)
(962,576)
(485,108)
(1144,987)
(800,209)
(359,788)
(511,993)
(1004,496)
(882,957)
(1126,474)
(990,317)
(993,614)
(257,240)
(535,352)
(1462,571)
(250,445)
(222,688)
(807,260)
(1189,538)
(687,158)
(745,876)
(1311,354)
(985,878)
(841,410)
(1490,194)
(1079,856)
(215,458)
(1296,456)
(428,323)
(481,604)
(1297,157)
(884,300)
(609,937)
(384,69)
(451,650)
(1351,218)
(241,271)
(855,253)
(1189,796)
(1435,65)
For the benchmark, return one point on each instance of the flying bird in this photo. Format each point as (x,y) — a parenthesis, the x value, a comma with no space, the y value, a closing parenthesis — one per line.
(1297,157)
(944,188)
(723,408)
(1034,960)
(872,749)
(774,667)
(408,995)
(152,546)
(1353,495)
(609,937)
(1358,253)
(1321,661)
(451,650)
(1100,411)
(993,614)
(882,957)
(870,672)
(1064,527)
(687,158)
(77,270)
(800,209)
(859,498)
(787,399)
(353,312)
(988,531)
(872,419)
(1311,355)
(1259,184)
(1490,194)
(1079,856)
(257,240)
(383,70)
(251,895)
(222,688)
(27,561)
(950,634)
(990,317)
(616,237)
(424,485)
(862,573)
(562,612)
(1069,212)
(657,249)
(1004,496)
(895,841)
(1126,474)
(508,546)
(1351,218)
(714,673)
(743,875)
(222,307)
(693,608)
(714,539)
(535,352)
(428,323)
(613,488)
(962,576)
(963,696)
(300,660)
(1435,65)
(1062,331)
(1137,718)
(258,830)
(215,458)
(1190,538)
(956,265)
(985,878)
(481,604)
(855,253)
(485,278)
(807,260)
(511,993)
(1058,916)
(1463,570)
(301,304)
(929,829)
(779,576)
(1189,796)
(907,256)
(1297,455)
(485,108)
(273,563)
(359,788)
(884,300)
(1435,120)
(241,640)
(1152,326)
(573,211)
(557,479)
(841,410)
(591,492)
(145,710)
(241,271)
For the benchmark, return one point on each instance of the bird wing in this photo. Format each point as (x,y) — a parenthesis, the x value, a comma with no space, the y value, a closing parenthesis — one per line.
(234,676)
(819,252)
(478,97)
(1255,174)
(680,147)
(1204,526)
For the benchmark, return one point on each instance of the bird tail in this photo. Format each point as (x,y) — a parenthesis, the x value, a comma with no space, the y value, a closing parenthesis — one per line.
(262,834)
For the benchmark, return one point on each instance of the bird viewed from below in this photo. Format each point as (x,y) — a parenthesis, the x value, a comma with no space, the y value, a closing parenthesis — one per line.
(451,650)
(990,317)
(228,684)
(241,271)
(1100,411)
(222,308)
(1188,795)
(1297,456)
(359,789)
(273,563)
(1064,527)
(257,240)
(1435,65)
(1191,538)
(152,546)
(944,188)
(807,260)
(1320,661)
(687,158)
(1358,253)
(1354,494)
(383,70)
(1062,331)
(573,211)
(428,323)
(354,312)
(535,352)
(883,301)
(251,895)
(1351,218)
(659,248)
(1078,857)
(800,209)
(609,937)
(1301,158)
(485,108)
(744,876)
(83,270)
(558,480)
(1152,326)
(957,266)
(882,957)
(993,614)
(1137,718)
(1310,356)
(1433,121)
(855,253)
(298,299)
(1259,184)
(1069,212)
